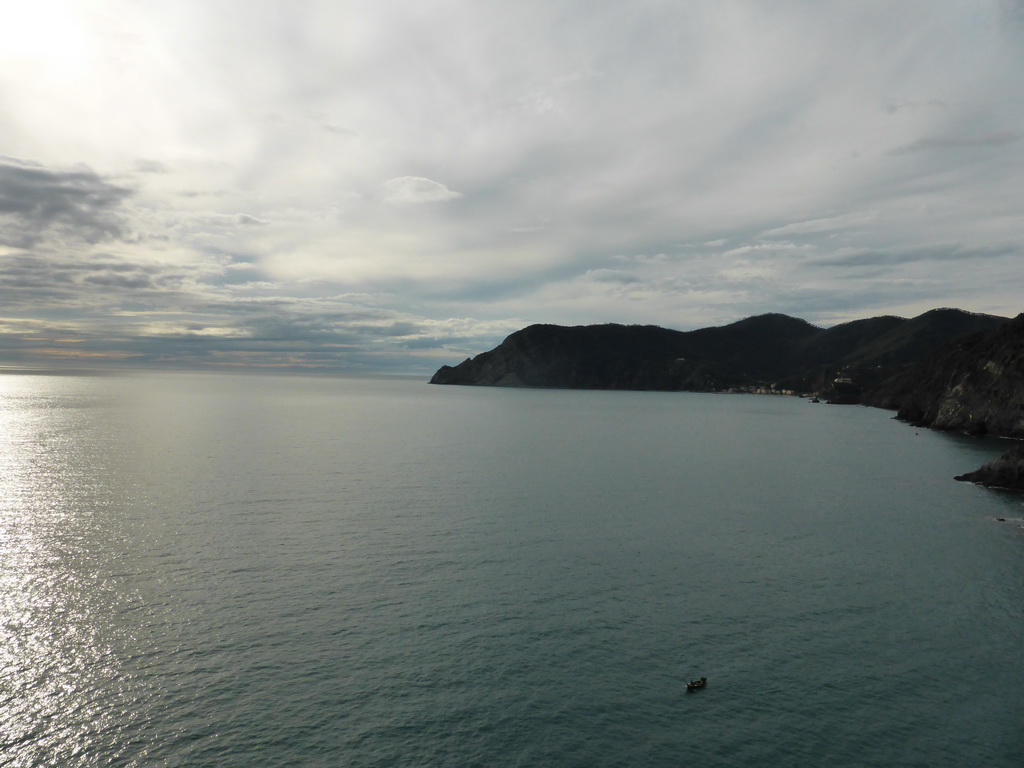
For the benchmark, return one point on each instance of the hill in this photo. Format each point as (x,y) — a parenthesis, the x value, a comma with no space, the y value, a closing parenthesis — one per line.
(772,351)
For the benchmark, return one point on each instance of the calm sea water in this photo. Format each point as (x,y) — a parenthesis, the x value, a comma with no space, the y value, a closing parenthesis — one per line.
(201,570)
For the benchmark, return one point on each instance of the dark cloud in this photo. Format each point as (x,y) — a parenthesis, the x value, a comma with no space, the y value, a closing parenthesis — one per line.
(246,220)
(30,280)
(998,139)
(296,322)
(1013,11)
(892,107)
(38,203)
(133,282)
(610,276)
(425,343)
(942,253)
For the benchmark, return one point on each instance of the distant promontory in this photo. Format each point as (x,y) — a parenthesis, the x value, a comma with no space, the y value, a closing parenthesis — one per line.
(765,353)
(946,368)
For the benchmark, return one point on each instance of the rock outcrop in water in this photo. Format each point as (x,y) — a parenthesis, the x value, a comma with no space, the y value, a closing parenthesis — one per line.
(1005,472)
(768,351)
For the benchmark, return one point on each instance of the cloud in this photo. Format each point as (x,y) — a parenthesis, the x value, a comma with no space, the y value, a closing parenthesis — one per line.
(37,203)
(231,209)
(416,189)
(605,275)
(996,139)
(939,252)
(44,282)
(892,107)
(214,220)
(150,166)
(828,224)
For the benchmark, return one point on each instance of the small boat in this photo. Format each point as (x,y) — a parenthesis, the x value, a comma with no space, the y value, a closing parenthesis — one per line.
(695,685)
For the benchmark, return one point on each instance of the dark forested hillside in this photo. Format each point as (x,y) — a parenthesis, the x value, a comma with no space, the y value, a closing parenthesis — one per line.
(766,351)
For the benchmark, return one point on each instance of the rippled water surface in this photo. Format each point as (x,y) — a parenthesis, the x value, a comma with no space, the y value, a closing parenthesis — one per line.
(201,570)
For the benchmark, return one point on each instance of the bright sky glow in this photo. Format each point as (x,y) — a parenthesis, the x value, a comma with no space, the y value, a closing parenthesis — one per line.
(393,185)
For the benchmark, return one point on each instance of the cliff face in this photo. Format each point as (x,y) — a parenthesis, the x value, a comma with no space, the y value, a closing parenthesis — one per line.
(975,385)
(767,350)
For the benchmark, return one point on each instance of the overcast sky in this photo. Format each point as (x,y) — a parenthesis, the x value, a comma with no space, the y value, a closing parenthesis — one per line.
(370,185)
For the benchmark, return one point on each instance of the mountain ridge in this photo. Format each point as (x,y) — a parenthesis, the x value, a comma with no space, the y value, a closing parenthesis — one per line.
(773,351)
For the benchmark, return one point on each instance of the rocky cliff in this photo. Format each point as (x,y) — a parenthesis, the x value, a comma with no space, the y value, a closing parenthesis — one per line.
(974,384)
(1005,472)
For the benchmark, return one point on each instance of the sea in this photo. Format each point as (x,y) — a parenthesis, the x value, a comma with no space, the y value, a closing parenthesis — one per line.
(245,570)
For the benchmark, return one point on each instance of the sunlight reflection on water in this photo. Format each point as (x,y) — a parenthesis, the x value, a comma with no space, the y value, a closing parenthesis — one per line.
(56,661)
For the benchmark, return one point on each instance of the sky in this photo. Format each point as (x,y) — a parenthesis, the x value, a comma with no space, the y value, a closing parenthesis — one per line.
(389,186)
